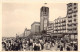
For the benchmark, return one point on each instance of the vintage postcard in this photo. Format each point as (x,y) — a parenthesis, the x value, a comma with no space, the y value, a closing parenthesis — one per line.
(40,25)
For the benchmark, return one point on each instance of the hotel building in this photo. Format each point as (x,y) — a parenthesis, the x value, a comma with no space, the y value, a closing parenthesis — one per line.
(72,21)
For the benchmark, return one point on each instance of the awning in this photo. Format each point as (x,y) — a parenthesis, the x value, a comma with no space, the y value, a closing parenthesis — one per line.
(58,35)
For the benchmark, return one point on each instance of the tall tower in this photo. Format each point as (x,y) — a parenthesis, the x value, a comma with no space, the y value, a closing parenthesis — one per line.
(44,18)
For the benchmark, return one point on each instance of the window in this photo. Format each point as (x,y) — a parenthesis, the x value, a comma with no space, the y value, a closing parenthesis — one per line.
(75,15)
(69,16)
(74,19)
(75,7)
(64,21)
(45,13)
(75,29)
(75,3)
(45,9)
(69,24)
(74,24)
(75,11)
(69,20)
(70,29)
(70,9)
(70,5)
(70,12)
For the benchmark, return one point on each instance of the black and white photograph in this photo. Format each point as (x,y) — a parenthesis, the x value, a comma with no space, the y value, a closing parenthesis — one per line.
(39,26)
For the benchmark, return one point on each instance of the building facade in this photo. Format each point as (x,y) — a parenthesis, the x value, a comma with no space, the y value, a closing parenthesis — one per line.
(72,21)
(44,18)
(50,28)
(35,27)
(60,26)
(27,32)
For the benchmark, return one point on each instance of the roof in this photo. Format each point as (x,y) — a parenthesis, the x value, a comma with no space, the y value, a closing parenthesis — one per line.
(28,29)
(35,23)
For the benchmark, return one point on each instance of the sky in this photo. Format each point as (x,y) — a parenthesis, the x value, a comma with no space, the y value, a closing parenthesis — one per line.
(18,16)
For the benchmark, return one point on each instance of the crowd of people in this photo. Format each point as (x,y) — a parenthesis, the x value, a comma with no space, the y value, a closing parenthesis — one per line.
(38,45)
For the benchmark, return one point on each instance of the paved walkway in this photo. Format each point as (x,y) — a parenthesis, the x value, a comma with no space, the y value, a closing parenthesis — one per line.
(53,49)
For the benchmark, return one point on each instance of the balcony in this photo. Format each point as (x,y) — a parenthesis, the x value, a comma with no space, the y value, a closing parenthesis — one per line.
(64,21)
(64,31)
(63,28)
(75,11)
(64,24)
(69,25)
(75,7)
(70,12)
(69,16)
(75,3)
(70,4)
(75,15)
(69,31)
(69,28)
(75,31)
(70,9)
(74,22)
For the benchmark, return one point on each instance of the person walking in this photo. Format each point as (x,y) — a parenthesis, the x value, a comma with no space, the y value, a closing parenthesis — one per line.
(75,47)
(35,47)
(3,46)
(8,45)
(61,48)
(30,45)
(68,48)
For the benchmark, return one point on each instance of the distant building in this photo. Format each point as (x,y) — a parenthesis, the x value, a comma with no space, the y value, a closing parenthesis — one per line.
(44,18)
(27,32)
(17,36)
(4,39)
(35,28)
(22,35)
(72,21)
(50,28)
